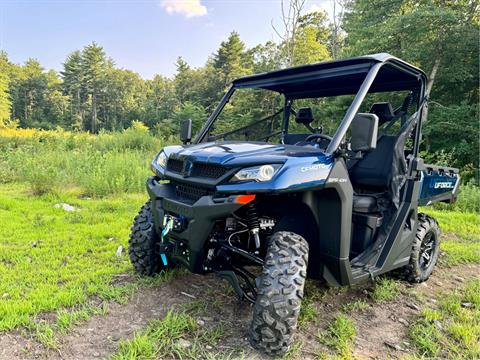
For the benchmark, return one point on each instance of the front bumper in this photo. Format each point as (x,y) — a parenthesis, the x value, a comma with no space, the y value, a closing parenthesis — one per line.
(188,244)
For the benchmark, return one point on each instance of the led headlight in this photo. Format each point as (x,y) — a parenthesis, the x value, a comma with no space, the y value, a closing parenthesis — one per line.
(161,160)
(256,173)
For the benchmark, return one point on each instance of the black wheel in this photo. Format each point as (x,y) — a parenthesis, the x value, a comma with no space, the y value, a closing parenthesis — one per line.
(425,250)
(279,293)
(143,245)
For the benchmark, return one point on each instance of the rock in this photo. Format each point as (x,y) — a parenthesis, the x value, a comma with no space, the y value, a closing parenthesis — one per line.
(96,354)
(208,347)
(200,322)
(438,283)
(459,278)
(394,346)
(403,321)
(65,207)
(414,307)
(467,304)
(438,324)
(184,343)
(120,250)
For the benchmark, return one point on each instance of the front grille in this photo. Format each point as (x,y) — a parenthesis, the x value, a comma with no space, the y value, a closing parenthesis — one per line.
(198,169)
(190,193)
(175,165)
(208,171)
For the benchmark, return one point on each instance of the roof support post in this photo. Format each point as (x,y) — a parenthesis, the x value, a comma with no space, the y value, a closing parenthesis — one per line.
(353,108)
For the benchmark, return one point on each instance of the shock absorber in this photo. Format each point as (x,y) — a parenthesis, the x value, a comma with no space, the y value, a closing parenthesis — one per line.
(253,223)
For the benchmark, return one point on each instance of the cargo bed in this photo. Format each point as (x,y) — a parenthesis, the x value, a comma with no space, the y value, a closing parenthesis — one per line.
(439,184)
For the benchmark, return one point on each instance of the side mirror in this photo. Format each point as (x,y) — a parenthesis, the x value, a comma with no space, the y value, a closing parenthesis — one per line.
(186,131)
(364,132)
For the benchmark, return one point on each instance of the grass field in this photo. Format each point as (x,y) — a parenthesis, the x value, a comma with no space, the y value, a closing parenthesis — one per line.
(60,268)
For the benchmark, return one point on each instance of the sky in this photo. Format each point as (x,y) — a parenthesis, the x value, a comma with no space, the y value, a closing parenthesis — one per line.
(144,36)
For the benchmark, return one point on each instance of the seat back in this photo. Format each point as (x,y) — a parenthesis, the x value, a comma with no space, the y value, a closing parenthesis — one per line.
(374,169)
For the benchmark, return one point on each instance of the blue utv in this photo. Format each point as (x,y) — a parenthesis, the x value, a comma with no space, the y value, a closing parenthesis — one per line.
(311,171)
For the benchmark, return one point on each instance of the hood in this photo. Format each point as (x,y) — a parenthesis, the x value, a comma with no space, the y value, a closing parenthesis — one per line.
(239,153)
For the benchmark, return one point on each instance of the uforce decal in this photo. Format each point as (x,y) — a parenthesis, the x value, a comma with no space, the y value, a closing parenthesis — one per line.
(314,167)
(444,185)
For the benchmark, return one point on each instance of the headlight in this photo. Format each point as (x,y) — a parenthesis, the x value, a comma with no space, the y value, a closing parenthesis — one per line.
(161,160)
(256,173)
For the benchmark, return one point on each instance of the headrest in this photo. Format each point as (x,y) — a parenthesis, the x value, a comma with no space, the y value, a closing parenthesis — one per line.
(304,116)
(383,110)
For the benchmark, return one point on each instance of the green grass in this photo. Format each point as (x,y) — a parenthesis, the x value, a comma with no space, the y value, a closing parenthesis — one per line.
(52,161)
(357,305)
(177,335)
(451,329)
(461,243)
(50,258)
(385,289)
(339,336)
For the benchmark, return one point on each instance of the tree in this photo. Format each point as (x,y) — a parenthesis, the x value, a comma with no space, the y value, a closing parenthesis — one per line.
(5,102)
(94,69)
(231,60)
(440,37)
(290,22)
(312,36)
(72,86)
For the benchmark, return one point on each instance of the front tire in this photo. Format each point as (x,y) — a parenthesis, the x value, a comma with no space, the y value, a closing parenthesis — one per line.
(143,245)
(425,250)
(280,293)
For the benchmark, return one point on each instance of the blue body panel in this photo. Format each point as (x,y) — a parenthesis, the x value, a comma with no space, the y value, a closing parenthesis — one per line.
(438,184)
(302,167)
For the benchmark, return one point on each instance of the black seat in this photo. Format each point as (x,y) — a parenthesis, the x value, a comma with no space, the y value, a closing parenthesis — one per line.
(365,203)
(374,170)
(384,111)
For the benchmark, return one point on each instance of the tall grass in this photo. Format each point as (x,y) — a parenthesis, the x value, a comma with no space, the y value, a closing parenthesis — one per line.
(98,165)
(468,200)
(107,163)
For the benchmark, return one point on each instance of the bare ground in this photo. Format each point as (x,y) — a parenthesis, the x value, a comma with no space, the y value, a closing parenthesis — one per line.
(381,328)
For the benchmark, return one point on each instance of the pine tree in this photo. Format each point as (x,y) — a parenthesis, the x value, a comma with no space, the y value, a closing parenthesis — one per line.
(72,86)
(94,69)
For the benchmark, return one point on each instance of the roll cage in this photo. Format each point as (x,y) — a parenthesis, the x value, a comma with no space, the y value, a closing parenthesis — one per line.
(355,76)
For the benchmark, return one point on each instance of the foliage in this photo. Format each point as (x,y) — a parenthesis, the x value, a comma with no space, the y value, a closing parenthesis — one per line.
(386,289)
(92,94)
(177,335)
(339,335)
(44,251)
(442,39)
(109,163)
(452,329)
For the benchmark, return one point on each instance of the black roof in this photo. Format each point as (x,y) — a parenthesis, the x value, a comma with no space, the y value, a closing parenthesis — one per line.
(338,77)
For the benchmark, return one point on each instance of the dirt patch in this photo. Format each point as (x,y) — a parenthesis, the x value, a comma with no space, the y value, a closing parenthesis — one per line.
(380,327)
(383,329)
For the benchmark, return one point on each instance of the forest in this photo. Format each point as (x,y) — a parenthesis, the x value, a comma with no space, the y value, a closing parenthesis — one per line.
(92,94)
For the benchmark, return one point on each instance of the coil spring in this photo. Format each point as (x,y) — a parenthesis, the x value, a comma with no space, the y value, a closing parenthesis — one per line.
(252,217)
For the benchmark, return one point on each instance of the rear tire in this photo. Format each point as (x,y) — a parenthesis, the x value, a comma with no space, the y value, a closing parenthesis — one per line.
(143,245)
(280,293)
(425,250)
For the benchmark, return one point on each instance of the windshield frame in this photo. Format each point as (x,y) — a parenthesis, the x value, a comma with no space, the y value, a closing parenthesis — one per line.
(345,123)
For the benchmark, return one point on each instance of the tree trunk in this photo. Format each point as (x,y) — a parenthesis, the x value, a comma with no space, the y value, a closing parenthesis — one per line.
(94,111)
(431,80)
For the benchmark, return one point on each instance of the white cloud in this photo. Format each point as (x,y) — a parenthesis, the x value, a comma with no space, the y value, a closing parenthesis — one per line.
(323,5)
(189,8)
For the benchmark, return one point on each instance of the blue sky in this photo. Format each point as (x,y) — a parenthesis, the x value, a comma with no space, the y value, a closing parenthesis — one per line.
(144,36)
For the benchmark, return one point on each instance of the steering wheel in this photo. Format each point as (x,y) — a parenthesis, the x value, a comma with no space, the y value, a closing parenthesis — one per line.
(317,137)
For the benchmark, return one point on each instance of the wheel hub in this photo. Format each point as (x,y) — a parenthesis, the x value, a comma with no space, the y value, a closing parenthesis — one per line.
(427,251)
